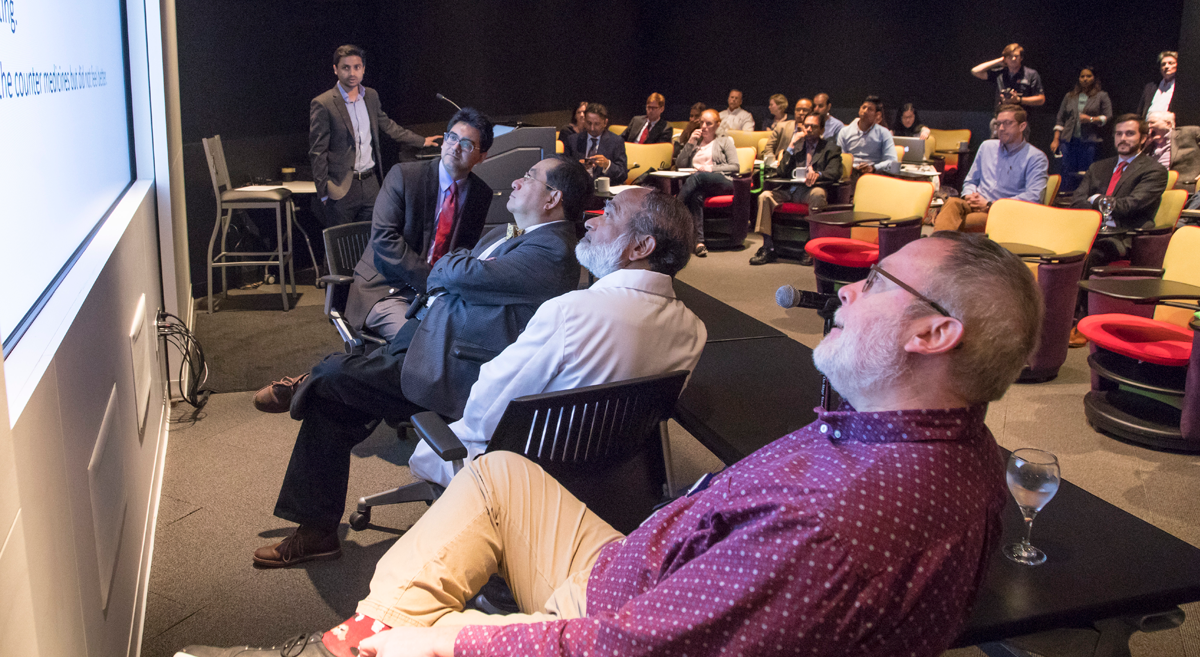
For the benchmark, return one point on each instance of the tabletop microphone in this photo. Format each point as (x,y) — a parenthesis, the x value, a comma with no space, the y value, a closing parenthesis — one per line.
(789,297)
(439,96)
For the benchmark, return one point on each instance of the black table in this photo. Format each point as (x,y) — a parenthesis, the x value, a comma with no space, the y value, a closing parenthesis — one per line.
(847,218)
(1144,290)
(1026,250)
(723,322)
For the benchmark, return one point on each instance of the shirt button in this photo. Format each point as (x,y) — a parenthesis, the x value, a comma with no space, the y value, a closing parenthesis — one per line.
(824,428)
(837,434)
(391,290)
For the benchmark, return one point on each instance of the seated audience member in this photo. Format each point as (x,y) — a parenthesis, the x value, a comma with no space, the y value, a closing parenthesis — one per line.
(908,124)
(1083,112)
(1005,167)
(781,134)
(822,161)
(777,108)
(1135,181)
(715,159)
(411,228)
(882,117)
(1016,84)
(1160,96)
(651,128)
(821,105)
(812,545)
(870,144)
(1176,148)
(576,125)
(601,151)
(489,294)
(736,118)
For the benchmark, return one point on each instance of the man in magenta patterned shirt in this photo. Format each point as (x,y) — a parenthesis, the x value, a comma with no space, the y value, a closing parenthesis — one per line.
(866,532)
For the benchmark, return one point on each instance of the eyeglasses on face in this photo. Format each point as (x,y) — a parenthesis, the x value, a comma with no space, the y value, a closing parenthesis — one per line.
(877,271)
(528,177)
(466,145)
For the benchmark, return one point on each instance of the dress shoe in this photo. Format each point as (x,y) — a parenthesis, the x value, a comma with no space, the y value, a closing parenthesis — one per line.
(701,251)
(277,397)
(764,256)
(806,260)
(305,645)
(306,544)
(1077,339)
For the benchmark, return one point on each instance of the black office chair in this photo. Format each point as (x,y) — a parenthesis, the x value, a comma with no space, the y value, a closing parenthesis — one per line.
(607,444)
(344,245)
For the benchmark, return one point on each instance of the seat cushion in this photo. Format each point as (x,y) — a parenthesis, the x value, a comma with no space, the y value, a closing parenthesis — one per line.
(719,201)
(792,208)
(843,251)
(1140,338)
(274,195)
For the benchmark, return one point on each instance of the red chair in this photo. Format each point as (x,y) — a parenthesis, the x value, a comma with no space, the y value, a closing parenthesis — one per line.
(727,217)
(844,252)
(1146,368)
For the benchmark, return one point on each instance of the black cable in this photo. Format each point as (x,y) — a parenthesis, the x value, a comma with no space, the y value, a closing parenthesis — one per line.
(192,360)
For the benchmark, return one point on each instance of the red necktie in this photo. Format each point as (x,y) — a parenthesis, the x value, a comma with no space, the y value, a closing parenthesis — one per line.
(445,223)
(644,133)
(1112,183)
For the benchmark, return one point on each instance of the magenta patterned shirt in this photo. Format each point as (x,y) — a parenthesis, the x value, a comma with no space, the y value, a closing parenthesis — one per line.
(860,534)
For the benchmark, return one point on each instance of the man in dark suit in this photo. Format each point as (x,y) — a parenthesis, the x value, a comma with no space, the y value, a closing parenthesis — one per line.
(599,149)
(1160,96)
(343,141)
(1135,181)
(481,299)
(417,220)
(651,128)
(821,160)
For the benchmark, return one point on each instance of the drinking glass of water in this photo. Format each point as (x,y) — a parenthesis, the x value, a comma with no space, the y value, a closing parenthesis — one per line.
(1033,478)
(1106,209)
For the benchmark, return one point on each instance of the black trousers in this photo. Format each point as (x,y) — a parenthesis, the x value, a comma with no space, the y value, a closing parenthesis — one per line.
(357,205)
(338,406)
(698,187)
(1105,251)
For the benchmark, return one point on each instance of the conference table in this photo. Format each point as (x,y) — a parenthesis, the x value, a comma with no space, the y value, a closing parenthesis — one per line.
(1107,569)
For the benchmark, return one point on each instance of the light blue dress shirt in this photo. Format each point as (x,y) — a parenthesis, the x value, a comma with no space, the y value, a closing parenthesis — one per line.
(1000,172)
(833,125)
(874,146)
(361,120)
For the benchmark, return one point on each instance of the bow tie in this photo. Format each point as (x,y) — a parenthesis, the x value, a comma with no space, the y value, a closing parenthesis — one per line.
(513,231)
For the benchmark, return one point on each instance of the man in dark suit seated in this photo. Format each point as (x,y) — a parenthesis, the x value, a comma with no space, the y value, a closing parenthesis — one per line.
(598,148)
(417,220)
(480,298)
(651,128)
(1135,181)
(343,141)
(821,161)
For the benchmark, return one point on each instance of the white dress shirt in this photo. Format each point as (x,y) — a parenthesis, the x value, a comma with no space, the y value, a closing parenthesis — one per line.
(1161,102)
(627,325)
(738,119)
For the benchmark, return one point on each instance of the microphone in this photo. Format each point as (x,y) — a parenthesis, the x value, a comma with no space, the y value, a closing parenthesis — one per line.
(439,96)
(789,297)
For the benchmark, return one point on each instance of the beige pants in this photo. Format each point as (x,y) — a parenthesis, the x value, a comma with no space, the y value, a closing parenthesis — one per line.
(956,214)
(768,201)
(501,514)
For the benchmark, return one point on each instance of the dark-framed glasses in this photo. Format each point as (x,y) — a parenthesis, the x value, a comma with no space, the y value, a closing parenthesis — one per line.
(528,177)
(452,138)
(877,271)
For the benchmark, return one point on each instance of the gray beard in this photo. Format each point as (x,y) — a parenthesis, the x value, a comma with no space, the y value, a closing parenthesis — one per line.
(858,364)
(601,259)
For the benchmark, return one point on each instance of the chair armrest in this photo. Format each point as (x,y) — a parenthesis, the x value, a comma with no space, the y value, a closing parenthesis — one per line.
(906,221)
(472,354)
(837,207)
(336,279)
(1143,290)
(1127,271)
(1070,256)
(1164,230)
(437,434)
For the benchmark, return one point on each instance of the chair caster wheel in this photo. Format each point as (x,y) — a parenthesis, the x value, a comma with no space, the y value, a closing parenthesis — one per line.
(360,520)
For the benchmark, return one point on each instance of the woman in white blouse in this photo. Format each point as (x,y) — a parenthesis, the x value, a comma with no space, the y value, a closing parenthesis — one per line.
(715,159)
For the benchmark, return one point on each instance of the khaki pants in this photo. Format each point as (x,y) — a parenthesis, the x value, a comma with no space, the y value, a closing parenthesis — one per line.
(768,201)
(956,214)
(504,514)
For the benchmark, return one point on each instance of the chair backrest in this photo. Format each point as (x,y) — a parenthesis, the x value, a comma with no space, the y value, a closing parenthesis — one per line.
(1181,265)
(678,125)
(748,138)
(1172,178)
(899,153)
(1053,182)
(1170,207)
(559,147)
(895,197)
(948,140)
(647,156)
(1060,230)
(930,146)
(617,129)
(214,153)
(745,159)
(344,245)
(762,146)
(847,167)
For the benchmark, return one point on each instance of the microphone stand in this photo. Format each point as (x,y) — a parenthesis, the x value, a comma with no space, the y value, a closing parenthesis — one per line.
(826,314)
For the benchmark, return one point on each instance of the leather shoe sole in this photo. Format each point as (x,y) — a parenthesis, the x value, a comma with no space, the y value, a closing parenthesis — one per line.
(1077,339)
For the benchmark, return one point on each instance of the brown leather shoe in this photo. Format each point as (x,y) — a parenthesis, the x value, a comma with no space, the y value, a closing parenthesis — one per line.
(306,544)
(1077,339)
(277,397)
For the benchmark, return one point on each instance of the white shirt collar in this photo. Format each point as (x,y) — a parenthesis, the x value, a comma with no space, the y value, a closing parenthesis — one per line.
(642,280)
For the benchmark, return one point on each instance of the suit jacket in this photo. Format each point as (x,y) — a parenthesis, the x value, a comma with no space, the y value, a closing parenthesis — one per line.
(1148,97)
(1185,152)
(331,142)
(661,133)
(610,146)
(827,159)
(724,155)
(778,140)
(486,305)
(1137,194)
(402,231)
(1068,116)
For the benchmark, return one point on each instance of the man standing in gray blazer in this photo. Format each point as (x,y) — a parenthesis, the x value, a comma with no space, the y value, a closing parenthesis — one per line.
(343,141)
(480,299)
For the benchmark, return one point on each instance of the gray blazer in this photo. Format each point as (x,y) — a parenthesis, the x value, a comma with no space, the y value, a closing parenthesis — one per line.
(486,305)
(331,143)
(725,159)
(1185,152)
(1068,116)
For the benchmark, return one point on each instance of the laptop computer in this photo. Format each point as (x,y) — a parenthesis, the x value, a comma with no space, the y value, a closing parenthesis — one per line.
(914,149)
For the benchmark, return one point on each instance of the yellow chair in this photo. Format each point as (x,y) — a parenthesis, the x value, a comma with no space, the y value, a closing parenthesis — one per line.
(748,139)
(1053,182)
(762,147)
(745,159)
(1172,178)
(946,140)
(930,146)
(1068,234)
(899,153)
(847,166)
(559,147)
(678,125)
(643,157)
(617,129)
(1149,245)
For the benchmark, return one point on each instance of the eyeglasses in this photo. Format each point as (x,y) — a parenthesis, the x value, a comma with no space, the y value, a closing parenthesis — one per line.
(877,271)
(1005,124)
(528,177)
(452,138)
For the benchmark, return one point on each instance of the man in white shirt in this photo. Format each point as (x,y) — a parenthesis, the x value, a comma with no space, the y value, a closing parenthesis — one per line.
(627,325)
(870,143)
(736,118)
(1160,96)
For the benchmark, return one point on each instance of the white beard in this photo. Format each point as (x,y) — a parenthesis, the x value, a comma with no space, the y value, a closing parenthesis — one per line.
(860,362)
(601,259)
